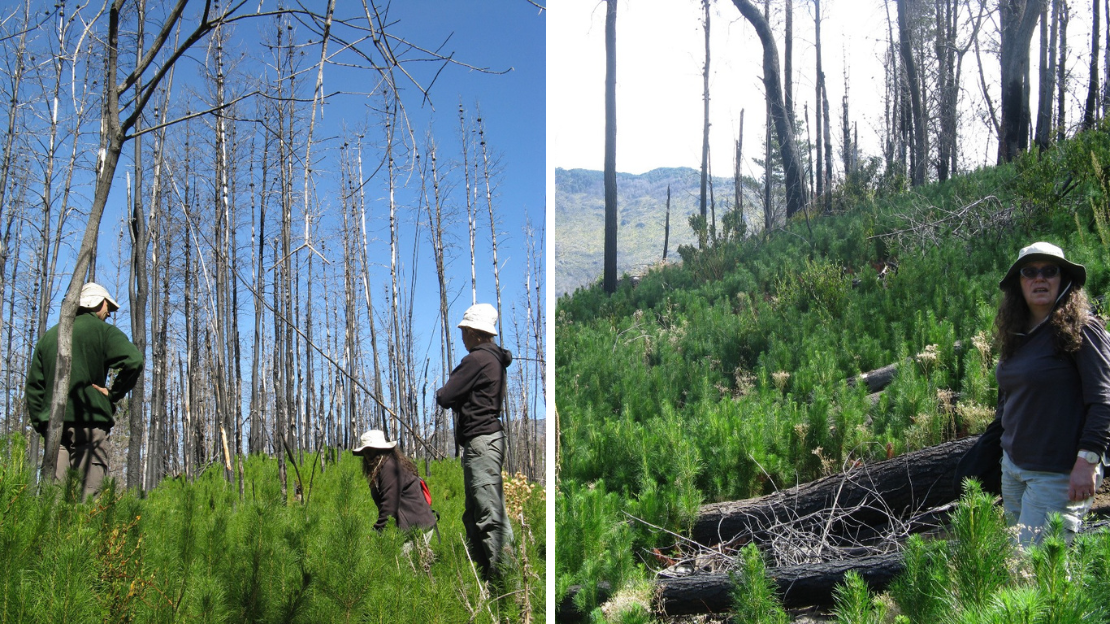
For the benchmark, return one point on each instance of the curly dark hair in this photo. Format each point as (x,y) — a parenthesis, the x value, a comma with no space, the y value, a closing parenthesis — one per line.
(372,464)
(1067,320)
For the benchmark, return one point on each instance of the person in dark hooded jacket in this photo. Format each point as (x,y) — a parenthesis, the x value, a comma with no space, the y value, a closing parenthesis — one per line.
(475,391)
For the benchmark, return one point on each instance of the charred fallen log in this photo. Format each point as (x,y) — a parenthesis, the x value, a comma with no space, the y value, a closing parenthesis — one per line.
(873,493)
(798,586)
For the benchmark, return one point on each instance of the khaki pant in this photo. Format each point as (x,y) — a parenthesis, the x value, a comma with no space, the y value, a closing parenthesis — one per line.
(488,531)
(84,449)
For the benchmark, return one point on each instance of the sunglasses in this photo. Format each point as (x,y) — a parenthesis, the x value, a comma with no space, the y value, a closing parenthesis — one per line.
(1048,272)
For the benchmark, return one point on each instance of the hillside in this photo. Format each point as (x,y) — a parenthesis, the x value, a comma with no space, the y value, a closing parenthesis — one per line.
(642,207)
(729,376)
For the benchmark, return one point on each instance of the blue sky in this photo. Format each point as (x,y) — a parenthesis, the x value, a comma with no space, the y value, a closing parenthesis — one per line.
(507,37)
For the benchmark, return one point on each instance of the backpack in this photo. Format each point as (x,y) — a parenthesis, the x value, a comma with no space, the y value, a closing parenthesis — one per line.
(426,491)
(428,498)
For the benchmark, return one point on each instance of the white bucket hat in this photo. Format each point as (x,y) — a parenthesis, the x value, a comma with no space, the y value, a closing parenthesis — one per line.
(92,294)
(374,439)
(482,317)
(1046,251)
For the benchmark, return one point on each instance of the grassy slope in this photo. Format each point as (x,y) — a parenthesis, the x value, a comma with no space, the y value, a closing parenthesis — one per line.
(725,377)
(194,552)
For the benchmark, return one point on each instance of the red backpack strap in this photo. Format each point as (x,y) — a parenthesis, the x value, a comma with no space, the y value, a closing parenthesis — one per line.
(427,492)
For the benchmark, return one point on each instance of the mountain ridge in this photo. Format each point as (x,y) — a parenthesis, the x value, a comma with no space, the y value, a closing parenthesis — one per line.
(641,209)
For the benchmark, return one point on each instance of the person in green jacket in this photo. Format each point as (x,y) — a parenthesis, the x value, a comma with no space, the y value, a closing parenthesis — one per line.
(98,347)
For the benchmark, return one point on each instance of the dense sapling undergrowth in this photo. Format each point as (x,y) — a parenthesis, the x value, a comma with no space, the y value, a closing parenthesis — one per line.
(733,374)
(197,552)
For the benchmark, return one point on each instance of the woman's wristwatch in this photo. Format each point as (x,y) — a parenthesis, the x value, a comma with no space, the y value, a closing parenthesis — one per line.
(1089,456)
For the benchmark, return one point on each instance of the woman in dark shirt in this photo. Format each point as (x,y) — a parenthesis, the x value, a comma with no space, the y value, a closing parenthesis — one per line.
(394,483)
(1053,392)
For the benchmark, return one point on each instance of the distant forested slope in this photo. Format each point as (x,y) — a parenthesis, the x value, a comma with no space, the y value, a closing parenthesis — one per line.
(642,205)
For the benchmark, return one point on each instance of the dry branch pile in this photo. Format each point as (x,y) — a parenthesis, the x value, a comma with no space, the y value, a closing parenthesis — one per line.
(813,534)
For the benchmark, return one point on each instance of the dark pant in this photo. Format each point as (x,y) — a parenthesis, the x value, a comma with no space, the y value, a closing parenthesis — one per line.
(488,531)
(84,449)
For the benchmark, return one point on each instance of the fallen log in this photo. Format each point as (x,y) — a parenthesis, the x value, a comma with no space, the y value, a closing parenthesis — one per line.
(806,585)
(876,380)
(868,495)
(797,586)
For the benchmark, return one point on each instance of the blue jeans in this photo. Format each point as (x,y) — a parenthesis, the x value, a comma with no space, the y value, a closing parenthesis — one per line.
(1030,495)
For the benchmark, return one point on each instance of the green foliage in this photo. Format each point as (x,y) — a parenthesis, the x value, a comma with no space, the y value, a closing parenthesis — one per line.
(855,604)
(922,588)
(196,552)
(753,597)
(593,542)
(981,546)
(1056,585)
(732,374)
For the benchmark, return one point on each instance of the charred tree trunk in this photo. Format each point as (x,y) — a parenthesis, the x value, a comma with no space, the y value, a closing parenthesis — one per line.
(919,149)
(137,294)
(609,281)
(737,173)
(913,481)
(811,584)
(705,125)
(817,108)
(788,61)
(1018,18)
(1061,73)
(1043,134)
(1090,110)
(667,224)
(795,184)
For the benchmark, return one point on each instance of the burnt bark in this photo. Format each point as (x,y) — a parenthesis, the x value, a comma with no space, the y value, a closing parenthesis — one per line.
(1018,18)
(797,586)
(917,480)
(703,205)
(920,148)
(1043,133)
(1061,72)
(795,184)
(1090,110)
(610,269)
(667,225)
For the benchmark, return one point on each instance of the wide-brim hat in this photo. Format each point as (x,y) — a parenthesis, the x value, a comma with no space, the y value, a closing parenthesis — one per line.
(1041,251)
(92,294)
(373,439)
(482,317)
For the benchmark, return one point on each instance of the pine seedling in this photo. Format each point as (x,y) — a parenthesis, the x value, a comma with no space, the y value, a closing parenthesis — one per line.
(753,595)
(981,548)
(922,589)
(855,604)
(1093,553)
(1058,578)
(1014,605)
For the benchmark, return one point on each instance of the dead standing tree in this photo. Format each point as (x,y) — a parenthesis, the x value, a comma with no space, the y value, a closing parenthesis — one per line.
(117,127)
(919,152)
(795,183)
(609,280)
(705,126)
(435,208)
(1018,18)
